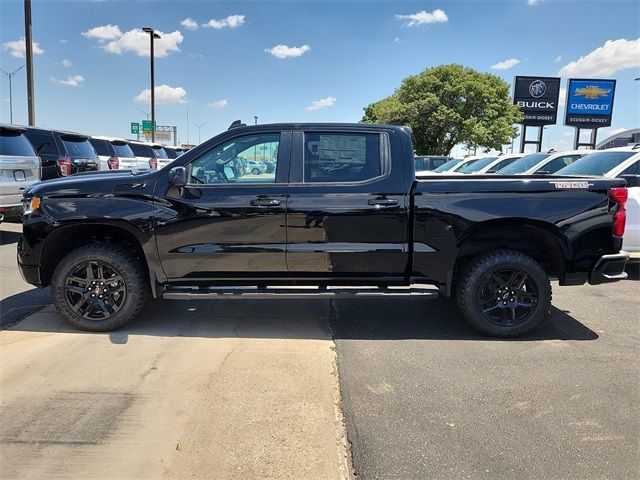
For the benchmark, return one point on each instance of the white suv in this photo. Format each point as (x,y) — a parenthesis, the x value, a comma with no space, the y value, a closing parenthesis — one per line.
(116,154)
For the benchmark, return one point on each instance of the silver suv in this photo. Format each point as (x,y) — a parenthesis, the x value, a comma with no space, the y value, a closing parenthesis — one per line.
(19,169)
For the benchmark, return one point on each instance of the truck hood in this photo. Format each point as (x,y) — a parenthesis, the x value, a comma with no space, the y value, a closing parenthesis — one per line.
(94,184)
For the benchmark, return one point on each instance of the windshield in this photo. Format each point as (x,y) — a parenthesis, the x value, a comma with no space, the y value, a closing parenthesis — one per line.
(523,164)
(477,165)
(78,148)
(446,166)
(596,164)
(13,142)
(123,150)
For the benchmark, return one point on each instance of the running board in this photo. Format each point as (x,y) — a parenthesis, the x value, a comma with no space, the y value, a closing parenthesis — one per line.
(208,293)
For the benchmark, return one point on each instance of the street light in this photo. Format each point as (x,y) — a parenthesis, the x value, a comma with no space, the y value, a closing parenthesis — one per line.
(152,36)
(10,75)
(199,127)
(255,118)
(145,113)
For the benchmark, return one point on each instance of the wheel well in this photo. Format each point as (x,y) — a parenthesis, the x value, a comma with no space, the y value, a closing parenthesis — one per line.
(61,242)
(535,241)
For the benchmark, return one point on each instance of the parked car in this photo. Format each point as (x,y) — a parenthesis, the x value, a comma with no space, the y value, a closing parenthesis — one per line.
(491,164)
(451,167)
(19,169)
(145,153)
(429,162)
(543,163)
(623,162)
(347,213)
(62,153)
(256,168)
(161,155)
(116,154)
(173,151)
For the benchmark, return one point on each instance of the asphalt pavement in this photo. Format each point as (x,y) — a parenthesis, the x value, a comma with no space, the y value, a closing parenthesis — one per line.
(426,397)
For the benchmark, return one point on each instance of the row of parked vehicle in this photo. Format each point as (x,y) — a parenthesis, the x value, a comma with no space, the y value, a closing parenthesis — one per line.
(621,162)
(31,154)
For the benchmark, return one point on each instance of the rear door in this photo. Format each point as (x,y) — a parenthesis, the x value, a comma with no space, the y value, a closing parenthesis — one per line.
(346,214)
(227,223)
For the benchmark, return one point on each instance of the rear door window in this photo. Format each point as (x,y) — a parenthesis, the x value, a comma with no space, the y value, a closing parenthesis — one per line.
(557,163)
(141,150)
(43,142)
(14,143)
(100,147)
(339,157)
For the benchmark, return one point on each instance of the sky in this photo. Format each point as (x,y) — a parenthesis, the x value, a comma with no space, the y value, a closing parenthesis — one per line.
(298,61)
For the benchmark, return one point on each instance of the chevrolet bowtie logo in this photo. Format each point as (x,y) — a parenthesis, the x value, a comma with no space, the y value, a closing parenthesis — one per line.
(591,92)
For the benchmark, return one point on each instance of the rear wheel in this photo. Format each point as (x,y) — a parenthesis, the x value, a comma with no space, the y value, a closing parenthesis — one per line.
(99,287)
(255,171)
(504,293)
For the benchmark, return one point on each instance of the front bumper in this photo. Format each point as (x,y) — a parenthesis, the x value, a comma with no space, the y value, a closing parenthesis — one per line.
(609,268)
(30,274)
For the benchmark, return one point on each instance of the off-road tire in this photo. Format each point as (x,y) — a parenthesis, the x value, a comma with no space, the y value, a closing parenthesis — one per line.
(135,278)
(474,277)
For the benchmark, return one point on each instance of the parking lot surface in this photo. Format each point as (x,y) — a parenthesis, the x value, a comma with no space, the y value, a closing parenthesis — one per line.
(426,397)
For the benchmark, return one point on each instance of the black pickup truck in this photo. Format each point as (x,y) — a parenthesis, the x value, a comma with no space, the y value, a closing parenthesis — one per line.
(341,212)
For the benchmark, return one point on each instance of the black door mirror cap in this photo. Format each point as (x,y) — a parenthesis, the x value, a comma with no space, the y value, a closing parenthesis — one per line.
(178,176)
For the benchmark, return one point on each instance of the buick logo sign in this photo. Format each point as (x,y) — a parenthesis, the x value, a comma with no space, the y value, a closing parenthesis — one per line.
(537,88)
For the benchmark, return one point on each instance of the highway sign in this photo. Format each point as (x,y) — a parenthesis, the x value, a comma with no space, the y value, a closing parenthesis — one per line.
(135,127)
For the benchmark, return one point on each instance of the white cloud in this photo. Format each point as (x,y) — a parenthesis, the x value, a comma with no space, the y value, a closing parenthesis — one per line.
(423,17)
(63,40)
(322,103)
(283,51)
(103,33)
(196,55)
(18,48)
(189,23)
(71,81)
(163,94)
(606,60)
(532,3)
(506,64)
(218,104)
(136,41)
(65,63)
(558,59)
(232,21)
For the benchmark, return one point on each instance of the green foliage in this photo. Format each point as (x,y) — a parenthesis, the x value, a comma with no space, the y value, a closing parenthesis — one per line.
(447,105)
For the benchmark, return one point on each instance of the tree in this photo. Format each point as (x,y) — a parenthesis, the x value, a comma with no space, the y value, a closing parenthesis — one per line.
(447,105)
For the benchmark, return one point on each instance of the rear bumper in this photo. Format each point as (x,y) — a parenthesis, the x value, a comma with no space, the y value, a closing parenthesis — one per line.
(609,268)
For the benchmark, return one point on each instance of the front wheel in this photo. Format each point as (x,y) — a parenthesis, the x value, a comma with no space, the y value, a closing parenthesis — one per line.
(255,171)
(99,287)
(504,293)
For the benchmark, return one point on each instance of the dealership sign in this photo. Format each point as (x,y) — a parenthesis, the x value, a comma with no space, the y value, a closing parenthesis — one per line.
(537,98)
(589,103)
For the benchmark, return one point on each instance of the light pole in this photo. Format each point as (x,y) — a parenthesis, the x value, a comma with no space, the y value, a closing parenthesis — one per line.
(10,76)
(199,127)
(145,113)
(152,36)
(255,119)
(31,96)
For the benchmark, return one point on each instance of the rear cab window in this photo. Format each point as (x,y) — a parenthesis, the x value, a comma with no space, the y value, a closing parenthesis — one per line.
(141,150)
(122,149)
(15,143)
(341,157)
(159,152)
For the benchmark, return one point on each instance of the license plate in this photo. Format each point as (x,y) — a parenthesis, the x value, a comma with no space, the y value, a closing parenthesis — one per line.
(19,175)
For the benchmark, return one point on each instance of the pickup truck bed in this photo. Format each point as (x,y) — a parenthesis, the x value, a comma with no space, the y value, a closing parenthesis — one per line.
(343,208)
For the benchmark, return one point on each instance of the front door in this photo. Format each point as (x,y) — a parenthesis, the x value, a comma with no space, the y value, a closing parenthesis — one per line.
(347,216)
(230,220)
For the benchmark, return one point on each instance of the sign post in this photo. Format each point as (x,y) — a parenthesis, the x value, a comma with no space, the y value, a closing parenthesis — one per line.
(589,107)
(537,98)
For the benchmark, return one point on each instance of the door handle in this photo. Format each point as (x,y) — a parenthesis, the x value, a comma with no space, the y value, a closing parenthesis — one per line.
(382,202)
(265,202)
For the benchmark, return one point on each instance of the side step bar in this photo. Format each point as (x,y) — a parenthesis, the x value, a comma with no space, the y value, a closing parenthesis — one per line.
(208,293)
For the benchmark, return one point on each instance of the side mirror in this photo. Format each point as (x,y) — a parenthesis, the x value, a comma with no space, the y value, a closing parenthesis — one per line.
(178,176)
(632,180)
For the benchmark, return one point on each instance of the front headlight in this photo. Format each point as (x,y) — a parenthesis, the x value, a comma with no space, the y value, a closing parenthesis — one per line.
(30,205)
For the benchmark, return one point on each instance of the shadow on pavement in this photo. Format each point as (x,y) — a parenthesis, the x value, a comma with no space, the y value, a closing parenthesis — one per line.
(7,238)
(18,306)
(368,319)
